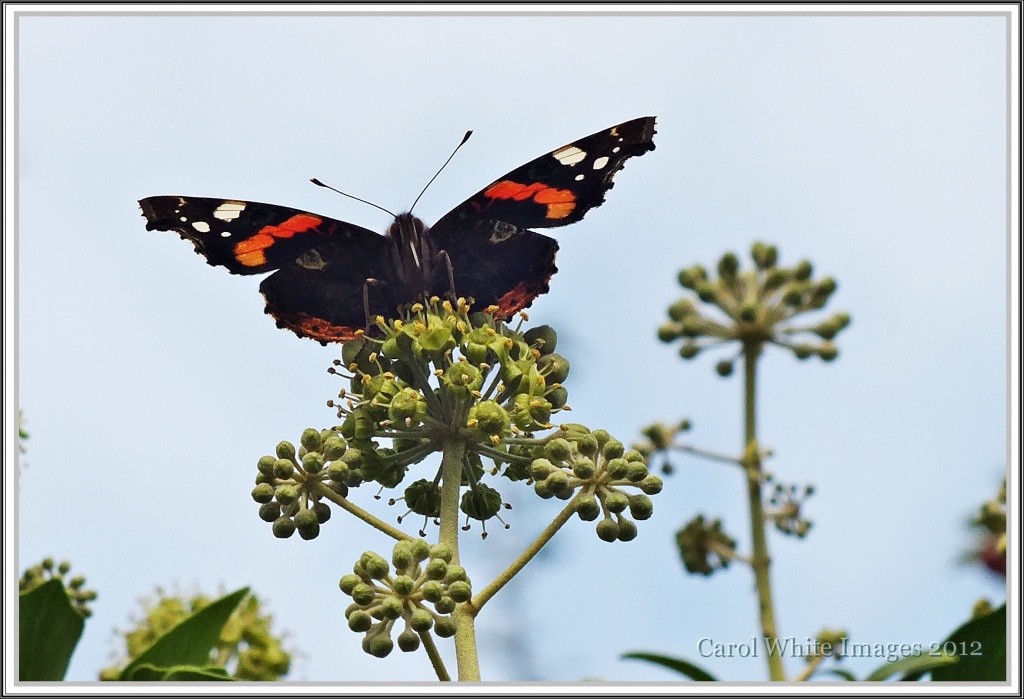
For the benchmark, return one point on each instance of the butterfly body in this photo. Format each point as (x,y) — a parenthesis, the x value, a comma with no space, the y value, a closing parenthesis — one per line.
(329,273)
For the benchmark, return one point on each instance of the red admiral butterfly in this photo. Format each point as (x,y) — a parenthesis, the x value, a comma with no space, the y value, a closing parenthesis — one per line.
(330,273)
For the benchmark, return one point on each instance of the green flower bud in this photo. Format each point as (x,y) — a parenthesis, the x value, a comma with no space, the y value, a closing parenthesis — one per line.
(706,292)
(270,511)
(828,351)
(776,278)
(456,572)
(607,530)
(803,270)
(803,350)
(541,469)
(681,309)
(283,527)
(587,507)
(420,550)
(363,594)
(286,450)
(557,482)
(436,569)
(408,641)
(724,367)
(348,583)
(689,350)
(443,551)
(313,462)
(652,485)
(748,312)
(375,565)
(445,628)
(359,621)
(637,471)
(379,646)
(310,532)
(584,469)
(627,530)
(304,519)
(640,507)
(764,256)
(421,620)
(283,469)
(558,450)
(338,471)
(668,332)
(432,591)
(542,337)
(391,607)
(460,591)
(617,469)
(286,494)
(616,501)
(401,555)
(311,439)
(266,465)
(690,277)
(263,493)
(587,445)
(728,266)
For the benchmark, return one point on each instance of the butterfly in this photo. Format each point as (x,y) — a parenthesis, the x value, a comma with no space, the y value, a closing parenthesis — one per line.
(330,276)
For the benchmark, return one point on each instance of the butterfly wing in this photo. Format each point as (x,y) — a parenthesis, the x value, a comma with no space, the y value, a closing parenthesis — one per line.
(494,257)
(248,237)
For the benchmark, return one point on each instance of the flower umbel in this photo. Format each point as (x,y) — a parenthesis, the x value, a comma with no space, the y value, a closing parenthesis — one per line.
(759,306)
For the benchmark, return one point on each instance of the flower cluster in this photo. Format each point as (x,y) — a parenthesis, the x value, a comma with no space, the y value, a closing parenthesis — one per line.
(438,376)
(786,509)
(424,577)
(75,587)
(592,469)
(758,305)
(247,647)
(704,547)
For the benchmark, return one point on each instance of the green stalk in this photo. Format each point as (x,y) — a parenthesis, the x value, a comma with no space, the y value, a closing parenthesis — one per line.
(451,482)
(760,560)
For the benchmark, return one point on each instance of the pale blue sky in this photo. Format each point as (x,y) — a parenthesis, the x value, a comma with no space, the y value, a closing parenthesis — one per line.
(874,146)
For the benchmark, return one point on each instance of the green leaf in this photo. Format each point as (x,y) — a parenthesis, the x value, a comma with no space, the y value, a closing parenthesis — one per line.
(683,667)
(48,631)
(190,642)
(981,647)
(180,673)
(910,665)
(845,674)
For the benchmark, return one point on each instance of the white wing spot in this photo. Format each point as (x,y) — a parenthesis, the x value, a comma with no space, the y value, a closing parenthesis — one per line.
(601,162)
(225,234)
(229,210)
(580,177)
(616,149)
(201,226)
(570,155)
(183,218)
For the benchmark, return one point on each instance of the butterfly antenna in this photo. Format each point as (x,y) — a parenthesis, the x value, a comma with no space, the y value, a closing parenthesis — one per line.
(461,144)
(318,183)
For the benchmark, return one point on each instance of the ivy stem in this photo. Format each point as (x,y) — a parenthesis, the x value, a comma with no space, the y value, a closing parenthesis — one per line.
(481,598)
(435,657)
(760,560)
(451,483)
(359,512)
